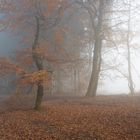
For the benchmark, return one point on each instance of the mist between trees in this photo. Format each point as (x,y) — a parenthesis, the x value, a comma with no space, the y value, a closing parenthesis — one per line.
(68,47)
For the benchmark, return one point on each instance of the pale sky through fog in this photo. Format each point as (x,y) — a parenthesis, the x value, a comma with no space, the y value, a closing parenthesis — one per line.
(120,85)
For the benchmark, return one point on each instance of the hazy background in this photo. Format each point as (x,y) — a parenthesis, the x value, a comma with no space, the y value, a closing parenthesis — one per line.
(110,85)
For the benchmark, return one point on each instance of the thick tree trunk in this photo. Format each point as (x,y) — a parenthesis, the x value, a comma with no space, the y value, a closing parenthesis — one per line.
(39,64)
(39,97)
(92,88)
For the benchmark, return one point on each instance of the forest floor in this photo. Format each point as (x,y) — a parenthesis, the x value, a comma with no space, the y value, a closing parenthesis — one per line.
(100,118)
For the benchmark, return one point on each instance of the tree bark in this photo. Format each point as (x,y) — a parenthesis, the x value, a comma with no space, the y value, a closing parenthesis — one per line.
(40,90)
(93,84)
(39,64)
(75,81)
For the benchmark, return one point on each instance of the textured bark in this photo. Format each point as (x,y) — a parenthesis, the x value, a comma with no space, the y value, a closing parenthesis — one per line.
(92,88)
(40,91)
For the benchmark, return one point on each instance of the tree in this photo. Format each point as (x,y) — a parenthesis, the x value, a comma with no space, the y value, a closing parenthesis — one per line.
(97,53)
(96,11)
(34,19)
(130,80)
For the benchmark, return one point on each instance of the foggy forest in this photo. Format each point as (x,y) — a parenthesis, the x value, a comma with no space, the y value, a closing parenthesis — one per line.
(69,70)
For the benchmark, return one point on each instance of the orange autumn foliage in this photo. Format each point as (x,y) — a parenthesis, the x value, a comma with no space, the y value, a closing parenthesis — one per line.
(20,17)
(25,77)
(34,78)
(24,57)
(59,37)
(7,67)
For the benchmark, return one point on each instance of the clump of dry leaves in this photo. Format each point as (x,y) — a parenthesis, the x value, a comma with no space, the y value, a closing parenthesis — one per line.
(102,118)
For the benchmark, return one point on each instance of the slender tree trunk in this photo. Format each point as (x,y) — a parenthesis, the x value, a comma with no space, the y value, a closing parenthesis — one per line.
(75,81)
(92,88)
(130,80)
(58,82)
(39,64)
(78,81)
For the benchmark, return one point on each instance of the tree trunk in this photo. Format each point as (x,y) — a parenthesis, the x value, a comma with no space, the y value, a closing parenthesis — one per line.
(130,80)
(39,64)
(39,97)
(92,88)
(58,82)
(75,81)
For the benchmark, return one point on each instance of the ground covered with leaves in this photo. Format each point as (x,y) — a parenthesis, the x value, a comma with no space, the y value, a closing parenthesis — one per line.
(102,118)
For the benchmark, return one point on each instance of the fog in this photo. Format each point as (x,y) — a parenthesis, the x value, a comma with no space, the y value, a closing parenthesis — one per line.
(110,85)
(70,69)
(119,85)
(113,81)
